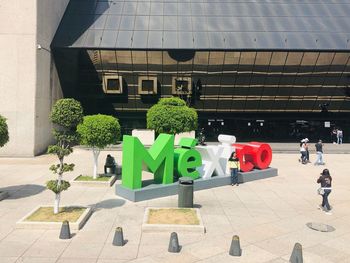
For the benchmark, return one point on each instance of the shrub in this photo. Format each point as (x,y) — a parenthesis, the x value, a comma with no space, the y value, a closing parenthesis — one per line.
(171,115)
(4,134)
(67,114)
(98,131)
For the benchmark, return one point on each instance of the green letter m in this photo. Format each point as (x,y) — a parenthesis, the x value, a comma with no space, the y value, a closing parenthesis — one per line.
(159,159)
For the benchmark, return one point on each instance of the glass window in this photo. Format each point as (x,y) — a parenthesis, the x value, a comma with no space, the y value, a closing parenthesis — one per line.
(112,22)
(170,39)
(108,59)
(147,85)
(184,8)
(156,8)
(143,8)
(139,39)
(216,40)
(155,39)
(199,23)
(115,8)
(184,23)
(293,62)
(127,23)
(201,60)
(201,39)
(129,8)
(156,23)
(170,23)
(170,9)
(109,38)
(141,23)
(124,39)
(93,38)
(99,22)
(101,7)
(185,40)
(155,61)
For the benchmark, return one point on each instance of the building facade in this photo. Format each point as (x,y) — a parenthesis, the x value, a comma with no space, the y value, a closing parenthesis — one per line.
(29,83)
(263,70)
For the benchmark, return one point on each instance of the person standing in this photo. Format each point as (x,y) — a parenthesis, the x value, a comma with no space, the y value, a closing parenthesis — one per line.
(334,135)
(319,153)
(326,187)
(339,136)
(234,166)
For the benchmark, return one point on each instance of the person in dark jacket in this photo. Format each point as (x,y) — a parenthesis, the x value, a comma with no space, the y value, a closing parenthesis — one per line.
(319,152)
(326,184)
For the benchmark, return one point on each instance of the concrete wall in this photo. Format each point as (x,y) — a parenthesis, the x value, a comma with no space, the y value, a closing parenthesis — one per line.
(48,89)
(17,74)
(28,83)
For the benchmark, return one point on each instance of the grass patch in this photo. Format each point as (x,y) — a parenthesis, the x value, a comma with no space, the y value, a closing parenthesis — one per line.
(101,178)
(173,216)
(45,214)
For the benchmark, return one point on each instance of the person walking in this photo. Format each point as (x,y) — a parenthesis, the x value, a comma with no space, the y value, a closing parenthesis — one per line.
(234,166)
(319,153)
(303,152)
(307,150)
(326,187)
(339,136)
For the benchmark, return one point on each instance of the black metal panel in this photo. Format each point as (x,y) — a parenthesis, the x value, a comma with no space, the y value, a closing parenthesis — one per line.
(285,24)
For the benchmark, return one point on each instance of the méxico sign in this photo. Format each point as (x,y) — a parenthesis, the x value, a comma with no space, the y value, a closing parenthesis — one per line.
(167,162)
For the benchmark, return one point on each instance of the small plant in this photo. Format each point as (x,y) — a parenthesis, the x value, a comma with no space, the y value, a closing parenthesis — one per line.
(172,116)
(4,134)
(66,114)
(98,131)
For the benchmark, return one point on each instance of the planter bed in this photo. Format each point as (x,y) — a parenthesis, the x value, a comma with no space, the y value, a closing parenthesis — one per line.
(102,180)
(42,217)
(172,219)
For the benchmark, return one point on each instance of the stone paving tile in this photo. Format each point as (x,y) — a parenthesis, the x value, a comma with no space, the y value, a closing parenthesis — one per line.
(86,250)
(36,260)
(126,252)
(24,235)
(268,215)
(44,249)
(13,248)
(77,260)
(8,259)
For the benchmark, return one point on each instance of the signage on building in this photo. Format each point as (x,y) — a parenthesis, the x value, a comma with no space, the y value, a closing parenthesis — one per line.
(166,162)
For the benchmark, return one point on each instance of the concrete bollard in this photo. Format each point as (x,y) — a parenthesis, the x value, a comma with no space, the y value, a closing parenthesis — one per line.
(235,248)
(118,239)
(174,243)
(65,230)
(297,254)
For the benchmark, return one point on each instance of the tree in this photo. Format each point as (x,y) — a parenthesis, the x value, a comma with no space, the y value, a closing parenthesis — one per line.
(66,114)
(4,134)
(98,131)
(171,115)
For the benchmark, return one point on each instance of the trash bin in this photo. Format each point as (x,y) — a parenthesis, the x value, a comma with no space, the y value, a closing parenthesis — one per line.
(185,192)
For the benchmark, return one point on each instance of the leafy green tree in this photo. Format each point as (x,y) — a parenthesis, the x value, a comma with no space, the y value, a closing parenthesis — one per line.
(98,131)
(171,115)
(66,114)
(4,134)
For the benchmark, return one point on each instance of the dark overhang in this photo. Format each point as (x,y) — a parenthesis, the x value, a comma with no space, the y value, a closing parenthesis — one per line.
(206,24)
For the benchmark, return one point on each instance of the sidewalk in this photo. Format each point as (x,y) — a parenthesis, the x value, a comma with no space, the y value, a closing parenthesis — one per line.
(269,216)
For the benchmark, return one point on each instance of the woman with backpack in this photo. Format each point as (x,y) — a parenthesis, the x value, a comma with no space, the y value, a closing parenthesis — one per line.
(326,187)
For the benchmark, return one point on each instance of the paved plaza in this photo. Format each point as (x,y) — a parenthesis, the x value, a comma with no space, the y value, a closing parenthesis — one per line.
(269,216)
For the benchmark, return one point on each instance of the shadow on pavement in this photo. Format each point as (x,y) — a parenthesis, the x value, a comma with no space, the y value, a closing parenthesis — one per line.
(108,204)
(22,191)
